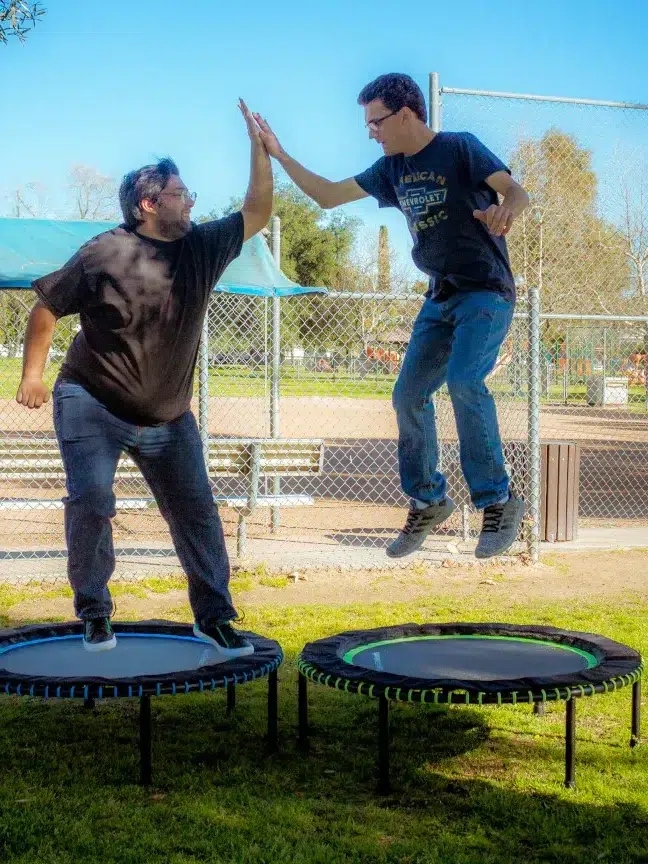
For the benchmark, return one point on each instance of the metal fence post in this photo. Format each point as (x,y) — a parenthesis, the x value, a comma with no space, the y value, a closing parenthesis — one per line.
(275,347)
(567,369)
(435,126)
(533,537)
(203,387)
(435,102)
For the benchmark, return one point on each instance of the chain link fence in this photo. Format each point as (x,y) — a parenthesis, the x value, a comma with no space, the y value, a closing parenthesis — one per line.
(317,368)
(583,242)
(339,356)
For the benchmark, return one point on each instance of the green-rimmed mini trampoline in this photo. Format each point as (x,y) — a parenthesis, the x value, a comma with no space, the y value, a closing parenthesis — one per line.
(470,664)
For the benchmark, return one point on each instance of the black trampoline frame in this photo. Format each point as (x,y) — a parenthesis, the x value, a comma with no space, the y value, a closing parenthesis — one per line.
(265,662)
(322,663)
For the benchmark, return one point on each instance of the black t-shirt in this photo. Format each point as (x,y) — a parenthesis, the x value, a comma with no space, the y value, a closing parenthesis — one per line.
(437,189)
(142,304)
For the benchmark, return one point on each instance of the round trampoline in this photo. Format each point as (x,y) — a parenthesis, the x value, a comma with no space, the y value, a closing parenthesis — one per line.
(470,664)
(152,658)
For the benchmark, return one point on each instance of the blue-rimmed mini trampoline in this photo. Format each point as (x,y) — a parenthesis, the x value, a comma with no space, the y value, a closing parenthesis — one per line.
(470,664)
(152,658)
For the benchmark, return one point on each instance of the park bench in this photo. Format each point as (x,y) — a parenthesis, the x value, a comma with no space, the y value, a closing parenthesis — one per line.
(38,461)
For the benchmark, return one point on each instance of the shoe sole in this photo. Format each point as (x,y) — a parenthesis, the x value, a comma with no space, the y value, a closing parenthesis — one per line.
(224,652)
(423,538)
(483,557)
(95,648)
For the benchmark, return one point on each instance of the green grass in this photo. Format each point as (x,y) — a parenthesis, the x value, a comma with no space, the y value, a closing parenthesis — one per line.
(164,584)
(241,381)
(471,785)
(237,381)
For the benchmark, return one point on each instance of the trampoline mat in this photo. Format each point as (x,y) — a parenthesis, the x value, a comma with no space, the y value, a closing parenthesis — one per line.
(135,656)
(470,658)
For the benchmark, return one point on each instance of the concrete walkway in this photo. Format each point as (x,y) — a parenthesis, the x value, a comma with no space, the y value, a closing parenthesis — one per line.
(602,538)
(300,553)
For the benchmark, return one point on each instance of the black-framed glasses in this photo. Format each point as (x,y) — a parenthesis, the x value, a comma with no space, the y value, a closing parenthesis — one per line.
(375,124)
(185,196)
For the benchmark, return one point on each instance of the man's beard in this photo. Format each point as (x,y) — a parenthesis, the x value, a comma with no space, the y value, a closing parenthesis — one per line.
(173,229)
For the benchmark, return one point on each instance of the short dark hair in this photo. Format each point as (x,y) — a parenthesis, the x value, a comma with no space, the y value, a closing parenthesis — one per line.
(146,182)
(395,91)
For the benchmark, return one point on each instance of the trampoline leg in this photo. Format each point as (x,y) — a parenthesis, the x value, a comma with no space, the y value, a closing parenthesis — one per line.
(231,698)
(272,711)
(570,743)
(302,704)
(384,786)
(145,741)
(635,737)
(89,703)
(539,709)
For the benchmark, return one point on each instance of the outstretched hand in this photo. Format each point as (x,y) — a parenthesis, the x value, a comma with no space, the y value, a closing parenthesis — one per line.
(268,137)
(252,126)
(497,218)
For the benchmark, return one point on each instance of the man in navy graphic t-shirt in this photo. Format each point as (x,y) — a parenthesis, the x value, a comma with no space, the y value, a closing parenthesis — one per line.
(446,184)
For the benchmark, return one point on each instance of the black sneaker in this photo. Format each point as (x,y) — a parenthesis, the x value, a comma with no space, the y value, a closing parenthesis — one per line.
(227,641)
(98,635)
(500,527)
(419,523)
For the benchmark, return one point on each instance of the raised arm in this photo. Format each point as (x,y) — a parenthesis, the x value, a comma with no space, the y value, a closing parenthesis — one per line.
(257,205)
(326,193)
(32,392)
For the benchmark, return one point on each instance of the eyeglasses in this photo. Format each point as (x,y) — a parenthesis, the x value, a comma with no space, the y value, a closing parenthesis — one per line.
(185,196)
(375,124)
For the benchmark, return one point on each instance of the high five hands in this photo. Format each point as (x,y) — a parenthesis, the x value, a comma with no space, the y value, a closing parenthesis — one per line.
(268,137)
(259,130)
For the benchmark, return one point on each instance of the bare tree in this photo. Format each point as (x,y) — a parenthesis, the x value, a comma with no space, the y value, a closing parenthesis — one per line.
(29,200)
(17,18)
(93,195)
(384,268)
(630,237)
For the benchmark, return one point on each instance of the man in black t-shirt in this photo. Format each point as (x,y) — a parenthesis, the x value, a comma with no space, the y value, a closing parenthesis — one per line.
(142,291)
(446,184)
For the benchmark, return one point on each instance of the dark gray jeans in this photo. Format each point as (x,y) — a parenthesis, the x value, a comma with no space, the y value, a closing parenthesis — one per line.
(170,458)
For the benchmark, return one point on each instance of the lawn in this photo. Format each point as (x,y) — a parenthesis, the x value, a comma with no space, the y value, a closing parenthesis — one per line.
(244,381)
(470,785)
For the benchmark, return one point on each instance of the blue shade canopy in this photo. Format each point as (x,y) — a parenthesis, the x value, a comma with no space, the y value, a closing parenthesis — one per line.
(31,248)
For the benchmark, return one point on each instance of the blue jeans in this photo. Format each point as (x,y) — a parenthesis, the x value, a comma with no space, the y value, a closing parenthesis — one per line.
(170,458)
(454,342)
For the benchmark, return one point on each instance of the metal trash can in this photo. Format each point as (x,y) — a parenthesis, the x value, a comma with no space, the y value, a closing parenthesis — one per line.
(603,391)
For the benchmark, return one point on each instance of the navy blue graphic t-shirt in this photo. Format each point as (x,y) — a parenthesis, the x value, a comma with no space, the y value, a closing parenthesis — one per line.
(437,189)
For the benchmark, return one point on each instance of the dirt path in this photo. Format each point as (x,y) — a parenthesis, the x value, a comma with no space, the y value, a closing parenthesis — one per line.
(618,577)
(339,417)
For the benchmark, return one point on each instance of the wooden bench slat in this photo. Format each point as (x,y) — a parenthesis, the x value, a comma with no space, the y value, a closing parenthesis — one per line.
(251,458)
(41,460)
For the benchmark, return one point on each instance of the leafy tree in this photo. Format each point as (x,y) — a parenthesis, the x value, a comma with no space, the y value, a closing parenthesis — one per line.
(17,17)
(557,243)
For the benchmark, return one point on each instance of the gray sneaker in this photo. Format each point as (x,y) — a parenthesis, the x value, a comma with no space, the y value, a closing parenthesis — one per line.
(500,527)
(98,635)
(419,523)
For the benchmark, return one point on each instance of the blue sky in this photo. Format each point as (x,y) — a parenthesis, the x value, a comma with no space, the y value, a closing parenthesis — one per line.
(115,84)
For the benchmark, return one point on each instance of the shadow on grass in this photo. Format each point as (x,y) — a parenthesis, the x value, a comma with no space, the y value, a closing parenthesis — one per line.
(68,786)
